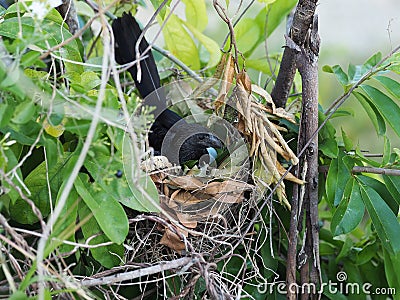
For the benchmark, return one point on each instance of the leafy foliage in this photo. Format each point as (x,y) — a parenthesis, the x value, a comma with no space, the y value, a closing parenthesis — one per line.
(47,102)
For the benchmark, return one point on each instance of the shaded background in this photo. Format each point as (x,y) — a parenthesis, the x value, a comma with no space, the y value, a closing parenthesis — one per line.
(351,31)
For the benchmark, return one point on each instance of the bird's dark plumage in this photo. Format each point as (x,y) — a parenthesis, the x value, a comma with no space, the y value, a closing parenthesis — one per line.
(170,135)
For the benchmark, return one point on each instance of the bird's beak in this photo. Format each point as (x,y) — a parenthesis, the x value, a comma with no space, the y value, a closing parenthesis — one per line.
(213,154)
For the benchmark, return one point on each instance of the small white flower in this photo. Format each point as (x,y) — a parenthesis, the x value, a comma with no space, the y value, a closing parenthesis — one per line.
(38,9)
(54,3)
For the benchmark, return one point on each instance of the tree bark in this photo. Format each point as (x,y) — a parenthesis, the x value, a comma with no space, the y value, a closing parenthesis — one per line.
(306,202)
(302,21)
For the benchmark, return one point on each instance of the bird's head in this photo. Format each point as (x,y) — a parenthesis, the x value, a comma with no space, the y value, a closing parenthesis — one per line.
(185,142)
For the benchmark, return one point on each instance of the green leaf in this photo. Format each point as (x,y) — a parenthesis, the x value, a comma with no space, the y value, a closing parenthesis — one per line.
(386,106)
(341,76)
(138,179)
(6,113)
(66,225)
(31,58)
(343,113)
(208,43)
(371,62)
(38,183)
(336,180)
(259,64)
(366,254)
(84,9)
(345,250)
(108,213)
(327,69)
(386,151)
(12,77)
(382,190)
(247,34)
(354,73)
(51,152)
(90,80)
(180,43)
(49,35)
(350,210)
(103,168)
(383,219)
(373,114)
(108,256)
(392,265)
(348,143)
(18,295)
(276,14)
(196,13)
(25,134)
(393,186)
(12,161)
(392,86)
(326,138)
(24,112)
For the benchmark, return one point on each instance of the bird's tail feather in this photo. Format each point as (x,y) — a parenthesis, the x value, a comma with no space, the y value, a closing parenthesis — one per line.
(127,33)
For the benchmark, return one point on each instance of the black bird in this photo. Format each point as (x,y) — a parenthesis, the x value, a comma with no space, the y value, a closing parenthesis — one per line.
(170,135)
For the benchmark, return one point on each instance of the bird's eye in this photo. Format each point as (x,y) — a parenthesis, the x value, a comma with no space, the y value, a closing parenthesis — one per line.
(201,137)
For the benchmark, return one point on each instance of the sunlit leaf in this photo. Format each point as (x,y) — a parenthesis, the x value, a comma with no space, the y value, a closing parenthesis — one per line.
(247,34)
(211,46)
(180,43)
(196,13)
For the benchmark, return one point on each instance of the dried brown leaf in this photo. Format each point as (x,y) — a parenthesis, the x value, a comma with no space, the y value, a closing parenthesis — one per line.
(230,198)
(289,175)
(186,220)
(188,198)
(227,79)
(189,183)
(264,94)
(172,241)
(244,80)
(227,186)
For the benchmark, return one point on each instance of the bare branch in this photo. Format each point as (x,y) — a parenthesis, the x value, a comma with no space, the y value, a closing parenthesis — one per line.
(301,23)
(161,267)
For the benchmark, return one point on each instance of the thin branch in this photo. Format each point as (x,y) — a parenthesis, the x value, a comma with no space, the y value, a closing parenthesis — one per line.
(160,50)
(161,267)
(375,69)
(301,23)
(372,170)
(81,158)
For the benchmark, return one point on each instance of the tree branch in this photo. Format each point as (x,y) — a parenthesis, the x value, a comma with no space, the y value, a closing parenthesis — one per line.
(301,23)
(163,266)
(68,11)
(307,63)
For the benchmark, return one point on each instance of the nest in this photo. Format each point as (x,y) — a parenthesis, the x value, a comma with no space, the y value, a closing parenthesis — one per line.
(206,212)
